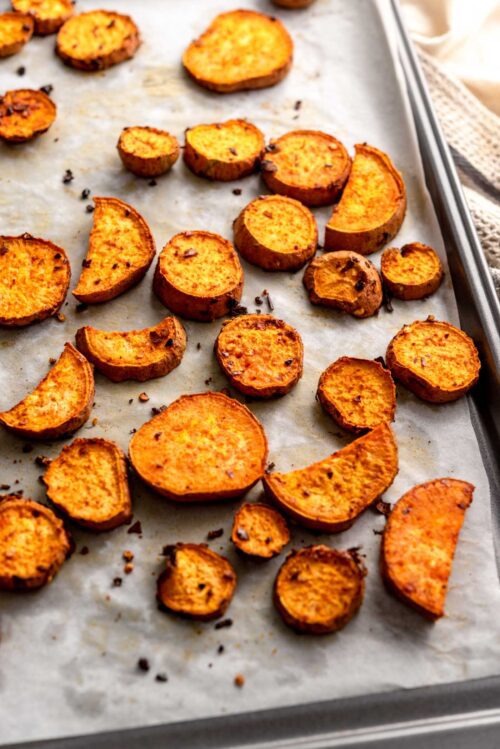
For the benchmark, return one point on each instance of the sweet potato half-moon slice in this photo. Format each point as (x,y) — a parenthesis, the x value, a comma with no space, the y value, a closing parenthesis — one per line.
(15,30)
(59,404)
(223,151)
(413,272)
(121,249)
(419,543)
(24,114)
(372,207)
(34,279)
(33,544)
(319,589)
(147,151)
(259,531)
(48,15)
(329,495)
(134,354)
(97,40)
(241,49)
(88,482)
(202,447)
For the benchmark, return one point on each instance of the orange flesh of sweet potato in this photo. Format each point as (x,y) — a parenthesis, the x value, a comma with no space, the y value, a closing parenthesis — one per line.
(419,542)
(202,447)
(240,50)
(223,151)
(435,360)
(24,114)
(358,393)
(48,15)
(88,482)
(34,279)
(147,151)
(97,40)
(197,583)
(261,355)
(121,249)
(329,495)
(413,272)
(59,404)
(15,30)
(33,544)
(319,589)
(259,531)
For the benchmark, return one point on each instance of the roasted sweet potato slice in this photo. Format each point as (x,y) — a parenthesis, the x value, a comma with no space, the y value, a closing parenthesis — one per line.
(15,30)
(419,543)
(435,360)
(261,355)
(48,15)
(88,482)
(121,249)
(198,275)
(34,279)
(318,589)
(197,582)
(329,495)
(259,531)
(59,404)
(202,447)
(33,544)
(372,207)
(147,151)
(345,281)
(97,40)
(240,50)
(24,114)
(276,233)
(224,150)
(412,272)
(134,354)
(358,393)
(307,165)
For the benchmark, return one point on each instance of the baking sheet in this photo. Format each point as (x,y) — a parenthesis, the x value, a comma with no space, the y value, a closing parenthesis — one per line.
(68,654)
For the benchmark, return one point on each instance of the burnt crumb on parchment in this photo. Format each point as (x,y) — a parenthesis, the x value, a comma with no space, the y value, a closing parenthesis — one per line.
(383,508)
(143,664)
(143,397)
(161,677)
(27,448)
(155,411)
(84,551)
(117,582)
(85,194)
(268,299)
(89,208)
(270,467)
(239,681)
(81,307)
(47,89)
(237,191)
(43,461)
(217,533)
(68,177)
(387,299)
(21,70)
(223,624)
(135,528)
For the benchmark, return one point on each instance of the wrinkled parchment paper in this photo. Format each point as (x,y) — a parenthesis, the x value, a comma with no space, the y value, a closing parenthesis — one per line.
(68,653)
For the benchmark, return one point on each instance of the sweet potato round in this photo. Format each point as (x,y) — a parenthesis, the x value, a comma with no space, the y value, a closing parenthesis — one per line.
(435,360)
(48,15)
(96,40)
(147,151)
(198,275)
(15,30)
(259,531)
(24,114)
(318,589)
(223,151)
(413,272)
(202,447)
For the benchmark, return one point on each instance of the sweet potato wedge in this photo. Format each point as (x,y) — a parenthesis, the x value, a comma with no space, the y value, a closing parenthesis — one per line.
(121,249)
(259,531)
(96,40)
(345,281)
(358,394)
(435,360)
(276,233)
(198,275)
(88,483)
(134,354)
(15,30)
(419,543)
(48,15)
(319,589)
(197,583)
(413,272)
(33,544)
(329,495)
(307,165)
(260,355)
(293,4)
(59,404)
(34,279)
(240,50)
(202,447)
(372,207)
(147,151)
(24,114)
(223,151)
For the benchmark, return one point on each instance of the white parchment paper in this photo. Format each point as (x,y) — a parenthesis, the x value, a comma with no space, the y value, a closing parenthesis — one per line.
(68,653)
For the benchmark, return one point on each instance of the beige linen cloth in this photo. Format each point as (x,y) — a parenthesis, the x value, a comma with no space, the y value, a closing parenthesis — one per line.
(459,48)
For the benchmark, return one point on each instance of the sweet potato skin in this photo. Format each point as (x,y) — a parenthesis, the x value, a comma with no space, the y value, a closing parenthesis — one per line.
(319,589)
(276,233)
(331,494)
(25,567)
(24,114)
(259,531)
(419,543)
(223,151)
(48,15)
(413,272)
(147,151)
(373,178)
(15,30)
(345,281)
(293,4)
(34,279)
(97,40)
(435,360)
